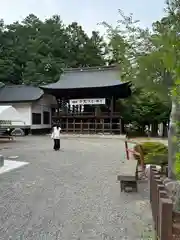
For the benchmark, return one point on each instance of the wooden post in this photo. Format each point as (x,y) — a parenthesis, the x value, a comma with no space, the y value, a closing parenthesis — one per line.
(160,187)
(156,200)
(165,219)
(88,126)
(120,126)
(81,130)
(95,125)
(112,111)
(58,106)
(126,148)
(77,112)
(103,126)
(63,105)
(151,182)
(69,110)
(73,125)
(154,195)
(67,125)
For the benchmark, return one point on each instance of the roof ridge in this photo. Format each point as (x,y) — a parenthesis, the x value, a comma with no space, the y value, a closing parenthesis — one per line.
(91,69)
(20,85)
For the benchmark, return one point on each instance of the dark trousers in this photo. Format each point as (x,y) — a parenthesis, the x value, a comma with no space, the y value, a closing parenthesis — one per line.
(56,144)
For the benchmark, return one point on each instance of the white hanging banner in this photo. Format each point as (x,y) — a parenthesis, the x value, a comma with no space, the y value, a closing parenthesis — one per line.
(87,101)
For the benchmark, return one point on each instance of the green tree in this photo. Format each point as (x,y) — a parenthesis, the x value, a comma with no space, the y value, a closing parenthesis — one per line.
(46,56)
(7,66)
(165,41)
(84,51)
(96,50)
(35,52)
(144,109)
(78,39)
(151,60)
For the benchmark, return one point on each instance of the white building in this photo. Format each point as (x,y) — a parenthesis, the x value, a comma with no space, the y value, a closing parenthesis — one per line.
(33,105)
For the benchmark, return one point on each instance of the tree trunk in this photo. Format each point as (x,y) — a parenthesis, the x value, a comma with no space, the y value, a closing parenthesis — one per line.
(172,133)
(154,129)
(165,130)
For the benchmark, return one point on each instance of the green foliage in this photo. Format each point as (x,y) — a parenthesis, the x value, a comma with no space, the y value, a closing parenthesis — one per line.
(137,52)
(147,147)
(35,52)
(151,60)
(177,166)
(154,152)
(144,108)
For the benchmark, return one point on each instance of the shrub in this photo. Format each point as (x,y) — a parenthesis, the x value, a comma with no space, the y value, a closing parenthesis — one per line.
(154,153)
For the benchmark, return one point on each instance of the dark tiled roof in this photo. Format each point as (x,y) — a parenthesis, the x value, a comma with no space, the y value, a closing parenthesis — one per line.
(20,93)
(87,78)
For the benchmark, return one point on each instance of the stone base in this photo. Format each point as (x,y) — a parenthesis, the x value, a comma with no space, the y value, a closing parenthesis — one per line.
(128,186)
(173,190)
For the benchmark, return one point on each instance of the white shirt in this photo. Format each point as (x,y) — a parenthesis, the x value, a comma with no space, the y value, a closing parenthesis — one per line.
(56,133)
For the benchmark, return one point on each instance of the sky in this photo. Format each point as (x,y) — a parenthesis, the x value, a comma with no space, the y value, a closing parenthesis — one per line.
(87,13)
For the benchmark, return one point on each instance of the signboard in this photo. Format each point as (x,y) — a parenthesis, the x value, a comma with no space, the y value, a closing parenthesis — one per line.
(87,101)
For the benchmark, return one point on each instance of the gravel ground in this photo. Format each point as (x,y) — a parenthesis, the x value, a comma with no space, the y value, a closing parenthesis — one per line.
(70,195)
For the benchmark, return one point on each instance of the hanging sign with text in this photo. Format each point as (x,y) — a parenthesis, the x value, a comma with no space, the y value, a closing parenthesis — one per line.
(87,101)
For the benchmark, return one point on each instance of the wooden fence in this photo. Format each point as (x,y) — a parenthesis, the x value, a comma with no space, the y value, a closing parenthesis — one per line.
(166,221)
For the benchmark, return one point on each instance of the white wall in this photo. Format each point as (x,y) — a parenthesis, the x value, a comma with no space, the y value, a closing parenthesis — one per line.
(44,104)
(24,110)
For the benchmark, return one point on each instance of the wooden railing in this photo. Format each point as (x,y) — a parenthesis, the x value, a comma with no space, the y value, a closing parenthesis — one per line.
(89,127)
(166,221)
(87,114)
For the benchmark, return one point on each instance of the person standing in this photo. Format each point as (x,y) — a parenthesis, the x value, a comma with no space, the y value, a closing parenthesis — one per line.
(56,136)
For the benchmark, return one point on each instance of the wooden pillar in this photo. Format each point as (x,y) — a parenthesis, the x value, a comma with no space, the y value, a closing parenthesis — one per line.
(81,126)
(68,108)
(74,125)
(120,126)
(58,105)
(103,126)
(111,113)
(67,125)
(95,125)
(165,228)
(88,126)
(63,105)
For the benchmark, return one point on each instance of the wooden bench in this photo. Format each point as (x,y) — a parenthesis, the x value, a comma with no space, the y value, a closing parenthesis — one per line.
(129,175)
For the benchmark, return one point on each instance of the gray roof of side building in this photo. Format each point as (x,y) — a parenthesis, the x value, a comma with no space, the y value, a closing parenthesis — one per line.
(87,78)
(19,93)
